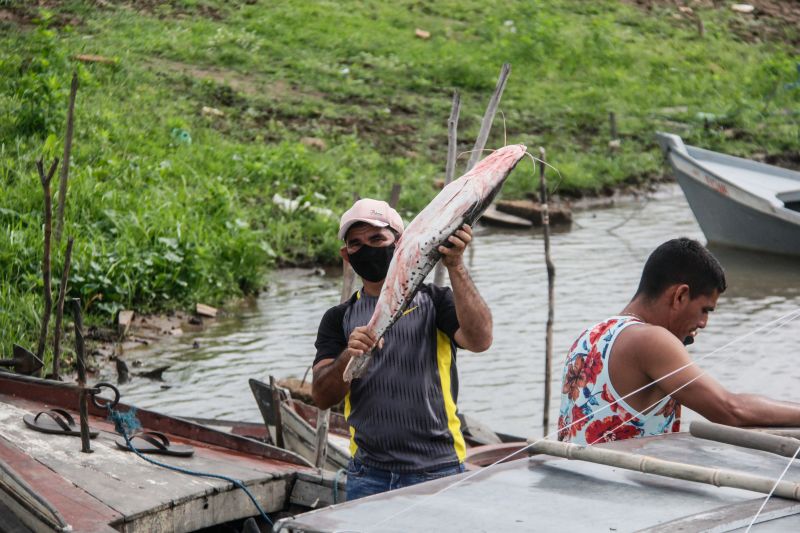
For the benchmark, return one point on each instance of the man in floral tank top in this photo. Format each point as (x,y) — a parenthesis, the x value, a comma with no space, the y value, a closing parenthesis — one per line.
(628,375)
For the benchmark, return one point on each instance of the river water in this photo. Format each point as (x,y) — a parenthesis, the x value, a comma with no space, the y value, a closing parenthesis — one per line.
(598,263)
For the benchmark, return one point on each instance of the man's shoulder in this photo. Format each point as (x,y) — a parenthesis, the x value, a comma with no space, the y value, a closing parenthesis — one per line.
(337,311)
(645,341)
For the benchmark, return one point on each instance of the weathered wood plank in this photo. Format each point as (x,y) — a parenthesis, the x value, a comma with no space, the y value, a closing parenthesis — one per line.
(80,509)
(147,494)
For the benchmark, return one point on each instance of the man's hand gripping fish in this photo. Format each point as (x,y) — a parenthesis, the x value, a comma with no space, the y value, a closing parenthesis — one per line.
(461,202)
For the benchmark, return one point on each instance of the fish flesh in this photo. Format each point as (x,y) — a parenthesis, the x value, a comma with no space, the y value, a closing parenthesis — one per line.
(461,202)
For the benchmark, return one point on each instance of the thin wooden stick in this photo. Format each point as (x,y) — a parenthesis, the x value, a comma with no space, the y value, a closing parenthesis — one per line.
(488,117)
(551,275)
(62,292)
(672,469)
(62,186)
(746,438)
(83,401)
(450,166)
(48,222)
(321,445)
(276,405)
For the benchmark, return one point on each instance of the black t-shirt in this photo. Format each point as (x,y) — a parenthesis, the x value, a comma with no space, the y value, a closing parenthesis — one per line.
(402,411)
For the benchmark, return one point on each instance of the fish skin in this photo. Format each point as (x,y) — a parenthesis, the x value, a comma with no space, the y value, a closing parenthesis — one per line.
(461,202)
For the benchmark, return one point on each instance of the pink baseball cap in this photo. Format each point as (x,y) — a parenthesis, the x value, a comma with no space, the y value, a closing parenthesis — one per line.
(375,212)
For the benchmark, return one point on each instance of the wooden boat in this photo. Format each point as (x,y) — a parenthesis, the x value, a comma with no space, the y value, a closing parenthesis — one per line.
(737,202)
(48,484)
(298,421)
(550,493)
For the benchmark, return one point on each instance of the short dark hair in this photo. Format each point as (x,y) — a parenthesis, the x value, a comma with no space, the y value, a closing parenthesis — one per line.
(680,261)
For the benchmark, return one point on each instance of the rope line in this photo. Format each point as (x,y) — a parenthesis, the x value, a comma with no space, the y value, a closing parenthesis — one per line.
(125,422)
(777,481)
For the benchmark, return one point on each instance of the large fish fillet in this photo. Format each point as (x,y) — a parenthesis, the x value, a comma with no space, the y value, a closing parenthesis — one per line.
(461,202)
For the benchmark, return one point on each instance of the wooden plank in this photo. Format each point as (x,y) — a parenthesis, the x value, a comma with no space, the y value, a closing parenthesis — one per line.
(80,509)
(206,310)
(138,490)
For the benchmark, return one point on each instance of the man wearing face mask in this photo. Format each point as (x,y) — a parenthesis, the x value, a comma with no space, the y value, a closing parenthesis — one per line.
(402,412)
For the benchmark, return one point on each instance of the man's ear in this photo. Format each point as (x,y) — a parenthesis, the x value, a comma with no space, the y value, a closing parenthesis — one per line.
(681,295)
(343,253)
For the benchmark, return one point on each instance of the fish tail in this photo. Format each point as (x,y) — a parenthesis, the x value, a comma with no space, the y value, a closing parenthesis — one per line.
(356,367)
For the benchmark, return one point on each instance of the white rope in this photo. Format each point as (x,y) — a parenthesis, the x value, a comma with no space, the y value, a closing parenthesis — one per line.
(764,503)
(419,501)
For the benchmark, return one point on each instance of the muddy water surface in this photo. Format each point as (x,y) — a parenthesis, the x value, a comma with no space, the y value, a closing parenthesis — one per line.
(598,263)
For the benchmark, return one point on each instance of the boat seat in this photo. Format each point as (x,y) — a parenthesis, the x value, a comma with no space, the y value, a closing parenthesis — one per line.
(791,199)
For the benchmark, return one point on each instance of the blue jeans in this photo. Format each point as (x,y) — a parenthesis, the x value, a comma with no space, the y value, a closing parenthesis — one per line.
(363,480)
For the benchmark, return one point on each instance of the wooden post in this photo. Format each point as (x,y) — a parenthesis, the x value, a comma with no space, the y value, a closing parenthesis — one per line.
(672,469)
(48,223)
(551,274)
(62,292)
(488,117)
(321,445)
(612,125)
(450,165)
(394,195)
(83,400)
(62,186)
(276,405)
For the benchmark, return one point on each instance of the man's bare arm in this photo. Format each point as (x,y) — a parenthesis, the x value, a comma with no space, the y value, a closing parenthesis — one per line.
(329,387)
(706,395)
(474,317)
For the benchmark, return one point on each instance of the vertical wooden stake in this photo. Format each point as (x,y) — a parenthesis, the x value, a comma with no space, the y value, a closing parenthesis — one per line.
(321,447)
(551,274)
(276,404)
(62,292)
(488,117)
(62,186)
(450,166)
(48,223)
(83,401)
(612,125)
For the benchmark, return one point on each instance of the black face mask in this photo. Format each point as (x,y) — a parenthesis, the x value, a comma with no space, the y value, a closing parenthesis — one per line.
(372,263)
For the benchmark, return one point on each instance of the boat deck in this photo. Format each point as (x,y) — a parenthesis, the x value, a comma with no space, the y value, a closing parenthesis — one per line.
(551,494)
(112,489)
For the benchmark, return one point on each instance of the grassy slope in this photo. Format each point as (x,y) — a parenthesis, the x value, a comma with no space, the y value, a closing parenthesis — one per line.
(161,222)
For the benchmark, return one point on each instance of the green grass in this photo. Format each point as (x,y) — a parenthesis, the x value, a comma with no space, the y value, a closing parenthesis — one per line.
(161,222)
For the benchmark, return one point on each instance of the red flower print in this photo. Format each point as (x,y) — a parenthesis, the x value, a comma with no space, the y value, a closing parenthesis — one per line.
(599,329)
(574,380)
(610,429)
(562,432)
(669,408)
(579,419)
(593,365)
(607,396)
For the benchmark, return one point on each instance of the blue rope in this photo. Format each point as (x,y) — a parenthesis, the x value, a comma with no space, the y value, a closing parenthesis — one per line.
(127,422)
(336,485)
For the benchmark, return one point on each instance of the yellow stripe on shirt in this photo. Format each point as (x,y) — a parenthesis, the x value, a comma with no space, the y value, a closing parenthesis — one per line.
(444,358)
(353,445)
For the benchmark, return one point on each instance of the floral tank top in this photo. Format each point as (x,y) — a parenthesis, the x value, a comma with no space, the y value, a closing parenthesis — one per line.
(591,410)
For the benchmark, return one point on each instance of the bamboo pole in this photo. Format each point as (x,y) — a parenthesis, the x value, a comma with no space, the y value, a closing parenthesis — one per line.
(450,165)
(62,186)
(671,469)
(488,117)
(62,292)
(83,400)
(746,438)
(48,223)
(551,275)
